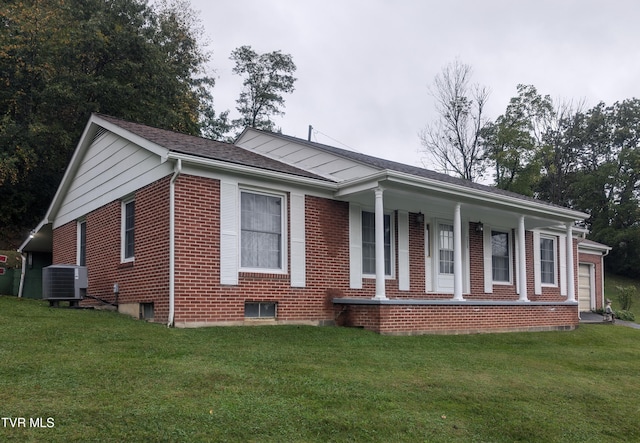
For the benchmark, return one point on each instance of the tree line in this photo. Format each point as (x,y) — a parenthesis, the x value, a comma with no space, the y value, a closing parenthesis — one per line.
(557,151)
(62,60)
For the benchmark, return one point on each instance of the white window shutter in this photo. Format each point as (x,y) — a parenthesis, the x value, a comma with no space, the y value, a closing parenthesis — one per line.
(229,229)
(429,247)
(404,282)
(355,247)
(536,264)
(488,260)
(562,248)
(298,244)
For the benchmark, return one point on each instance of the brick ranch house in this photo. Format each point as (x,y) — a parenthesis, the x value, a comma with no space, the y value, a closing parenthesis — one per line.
(278,230)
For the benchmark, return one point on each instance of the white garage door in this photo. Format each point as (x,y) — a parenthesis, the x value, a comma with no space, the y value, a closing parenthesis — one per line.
(584,287)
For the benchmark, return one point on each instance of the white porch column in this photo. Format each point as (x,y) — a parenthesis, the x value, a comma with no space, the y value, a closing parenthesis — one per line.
(457,254)
(379,218)
(571,291)
(522,259)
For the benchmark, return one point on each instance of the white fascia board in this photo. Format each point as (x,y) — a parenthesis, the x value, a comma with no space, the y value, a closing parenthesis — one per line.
(590,248)
(236,168)
(459,193)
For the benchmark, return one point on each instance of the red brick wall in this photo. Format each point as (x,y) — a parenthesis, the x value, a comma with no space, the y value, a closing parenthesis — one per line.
(199,297)
(144,280)
(65,244)
(457,319)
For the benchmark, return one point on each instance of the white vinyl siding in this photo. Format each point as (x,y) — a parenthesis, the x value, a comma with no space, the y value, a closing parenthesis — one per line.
(111,169)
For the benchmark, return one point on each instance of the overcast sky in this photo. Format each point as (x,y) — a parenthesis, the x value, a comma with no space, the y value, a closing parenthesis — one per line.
(364,66)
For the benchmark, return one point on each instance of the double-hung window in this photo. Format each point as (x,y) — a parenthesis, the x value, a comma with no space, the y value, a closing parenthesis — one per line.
(369,243)
(128,230)
(500,256)
(261,231)
(82,243)
(446,248)
(547,260)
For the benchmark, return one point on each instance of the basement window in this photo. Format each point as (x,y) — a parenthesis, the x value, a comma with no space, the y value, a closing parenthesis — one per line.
(146,311)
(260,310)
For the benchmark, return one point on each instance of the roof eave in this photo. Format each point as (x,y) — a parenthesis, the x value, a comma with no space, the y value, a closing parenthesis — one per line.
(462,193)
(236,168)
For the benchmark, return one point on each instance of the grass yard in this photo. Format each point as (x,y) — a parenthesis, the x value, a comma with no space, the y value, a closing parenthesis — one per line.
(611,284)
(100,376)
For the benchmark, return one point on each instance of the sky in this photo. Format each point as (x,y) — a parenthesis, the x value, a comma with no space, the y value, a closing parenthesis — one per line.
(364,67)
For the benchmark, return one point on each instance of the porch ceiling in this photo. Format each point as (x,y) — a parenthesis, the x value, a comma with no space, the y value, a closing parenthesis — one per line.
(493,209)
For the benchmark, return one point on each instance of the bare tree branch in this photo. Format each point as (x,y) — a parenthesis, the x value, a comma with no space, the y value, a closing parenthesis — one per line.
(453,141)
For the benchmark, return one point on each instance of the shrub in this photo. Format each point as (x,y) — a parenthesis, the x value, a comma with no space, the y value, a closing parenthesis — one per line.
(624,315)
(625,296)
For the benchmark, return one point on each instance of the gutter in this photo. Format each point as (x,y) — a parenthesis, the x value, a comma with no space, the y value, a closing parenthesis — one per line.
(22,274)
(172,243)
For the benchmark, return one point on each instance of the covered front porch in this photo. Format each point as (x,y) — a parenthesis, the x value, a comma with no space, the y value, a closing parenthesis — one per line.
(429,257)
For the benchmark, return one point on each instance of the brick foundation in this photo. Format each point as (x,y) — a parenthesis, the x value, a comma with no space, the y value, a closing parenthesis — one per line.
(393,317)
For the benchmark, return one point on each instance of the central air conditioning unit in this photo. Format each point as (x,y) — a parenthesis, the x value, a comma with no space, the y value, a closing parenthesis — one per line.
(64,282)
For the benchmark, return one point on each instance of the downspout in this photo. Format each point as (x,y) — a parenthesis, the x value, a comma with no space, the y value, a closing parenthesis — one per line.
(172,246)
(22,274)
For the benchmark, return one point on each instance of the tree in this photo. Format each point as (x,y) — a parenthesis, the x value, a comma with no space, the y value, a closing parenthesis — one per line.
(62,60)
(267,77)
(511,142)
(454,140)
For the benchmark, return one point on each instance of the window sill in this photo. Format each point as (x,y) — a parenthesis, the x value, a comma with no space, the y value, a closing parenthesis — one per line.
(264,275)
(126,265)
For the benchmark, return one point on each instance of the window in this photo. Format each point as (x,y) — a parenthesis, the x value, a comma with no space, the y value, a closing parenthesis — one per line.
(82,243)
(446,248)
(547,260)
(128,230)
(500,256)
(261,228)
(369,243)
(260,310)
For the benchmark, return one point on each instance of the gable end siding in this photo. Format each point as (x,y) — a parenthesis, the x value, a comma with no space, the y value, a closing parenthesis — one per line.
(111,168)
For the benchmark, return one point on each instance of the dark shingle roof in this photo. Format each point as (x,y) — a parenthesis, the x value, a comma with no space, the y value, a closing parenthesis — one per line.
(206,148)
(413,170)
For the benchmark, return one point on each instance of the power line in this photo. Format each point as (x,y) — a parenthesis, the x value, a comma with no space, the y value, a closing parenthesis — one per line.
(313,131)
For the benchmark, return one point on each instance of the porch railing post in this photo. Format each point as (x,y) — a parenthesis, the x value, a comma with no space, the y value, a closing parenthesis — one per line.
(522,260)
(571,291)
(379,251)
(457,254)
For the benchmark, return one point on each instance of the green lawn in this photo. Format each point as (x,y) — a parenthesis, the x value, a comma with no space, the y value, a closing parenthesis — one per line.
(611,283)
(100,376)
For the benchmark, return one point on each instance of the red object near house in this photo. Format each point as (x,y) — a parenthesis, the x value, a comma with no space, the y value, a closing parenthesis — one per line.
(279,230)
(3,258)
